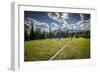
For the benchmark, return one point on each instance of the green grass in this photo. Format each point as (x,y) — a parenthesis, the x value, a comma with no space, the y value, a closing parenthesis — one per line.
(77,49)
(40,50)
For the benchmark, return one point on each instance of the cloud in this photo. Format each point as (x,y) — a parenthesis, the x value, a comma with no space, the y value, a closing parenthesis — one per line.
(64,15)
(64,25)
(58,16)
(55,16)
(75,27)
(83,25)
(28,22)
(78,23)
(54,27)
(82,17)
(44,27)
(69,27)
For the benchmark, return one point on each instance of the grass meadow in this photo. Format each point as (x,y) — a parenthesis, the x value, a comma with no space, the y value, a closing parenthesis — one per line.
(41,50)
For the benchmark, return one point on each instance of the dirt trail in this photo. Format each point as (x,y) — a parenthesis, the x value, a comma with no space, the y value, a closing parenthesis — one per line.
(51,58)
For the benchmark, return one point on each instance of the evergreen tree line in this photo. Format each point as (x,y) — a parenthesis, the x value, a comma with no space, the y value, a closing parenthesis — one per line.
(34,35)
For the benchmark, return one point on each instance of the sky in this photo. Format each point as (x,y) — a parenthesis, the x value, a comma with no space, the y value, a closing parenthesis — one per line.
(56,20)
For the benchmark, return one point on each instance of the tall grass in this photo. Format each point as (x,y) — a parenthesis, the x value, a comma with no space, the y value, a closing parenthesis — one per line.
(41,50)
(38,50)
(77,49)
